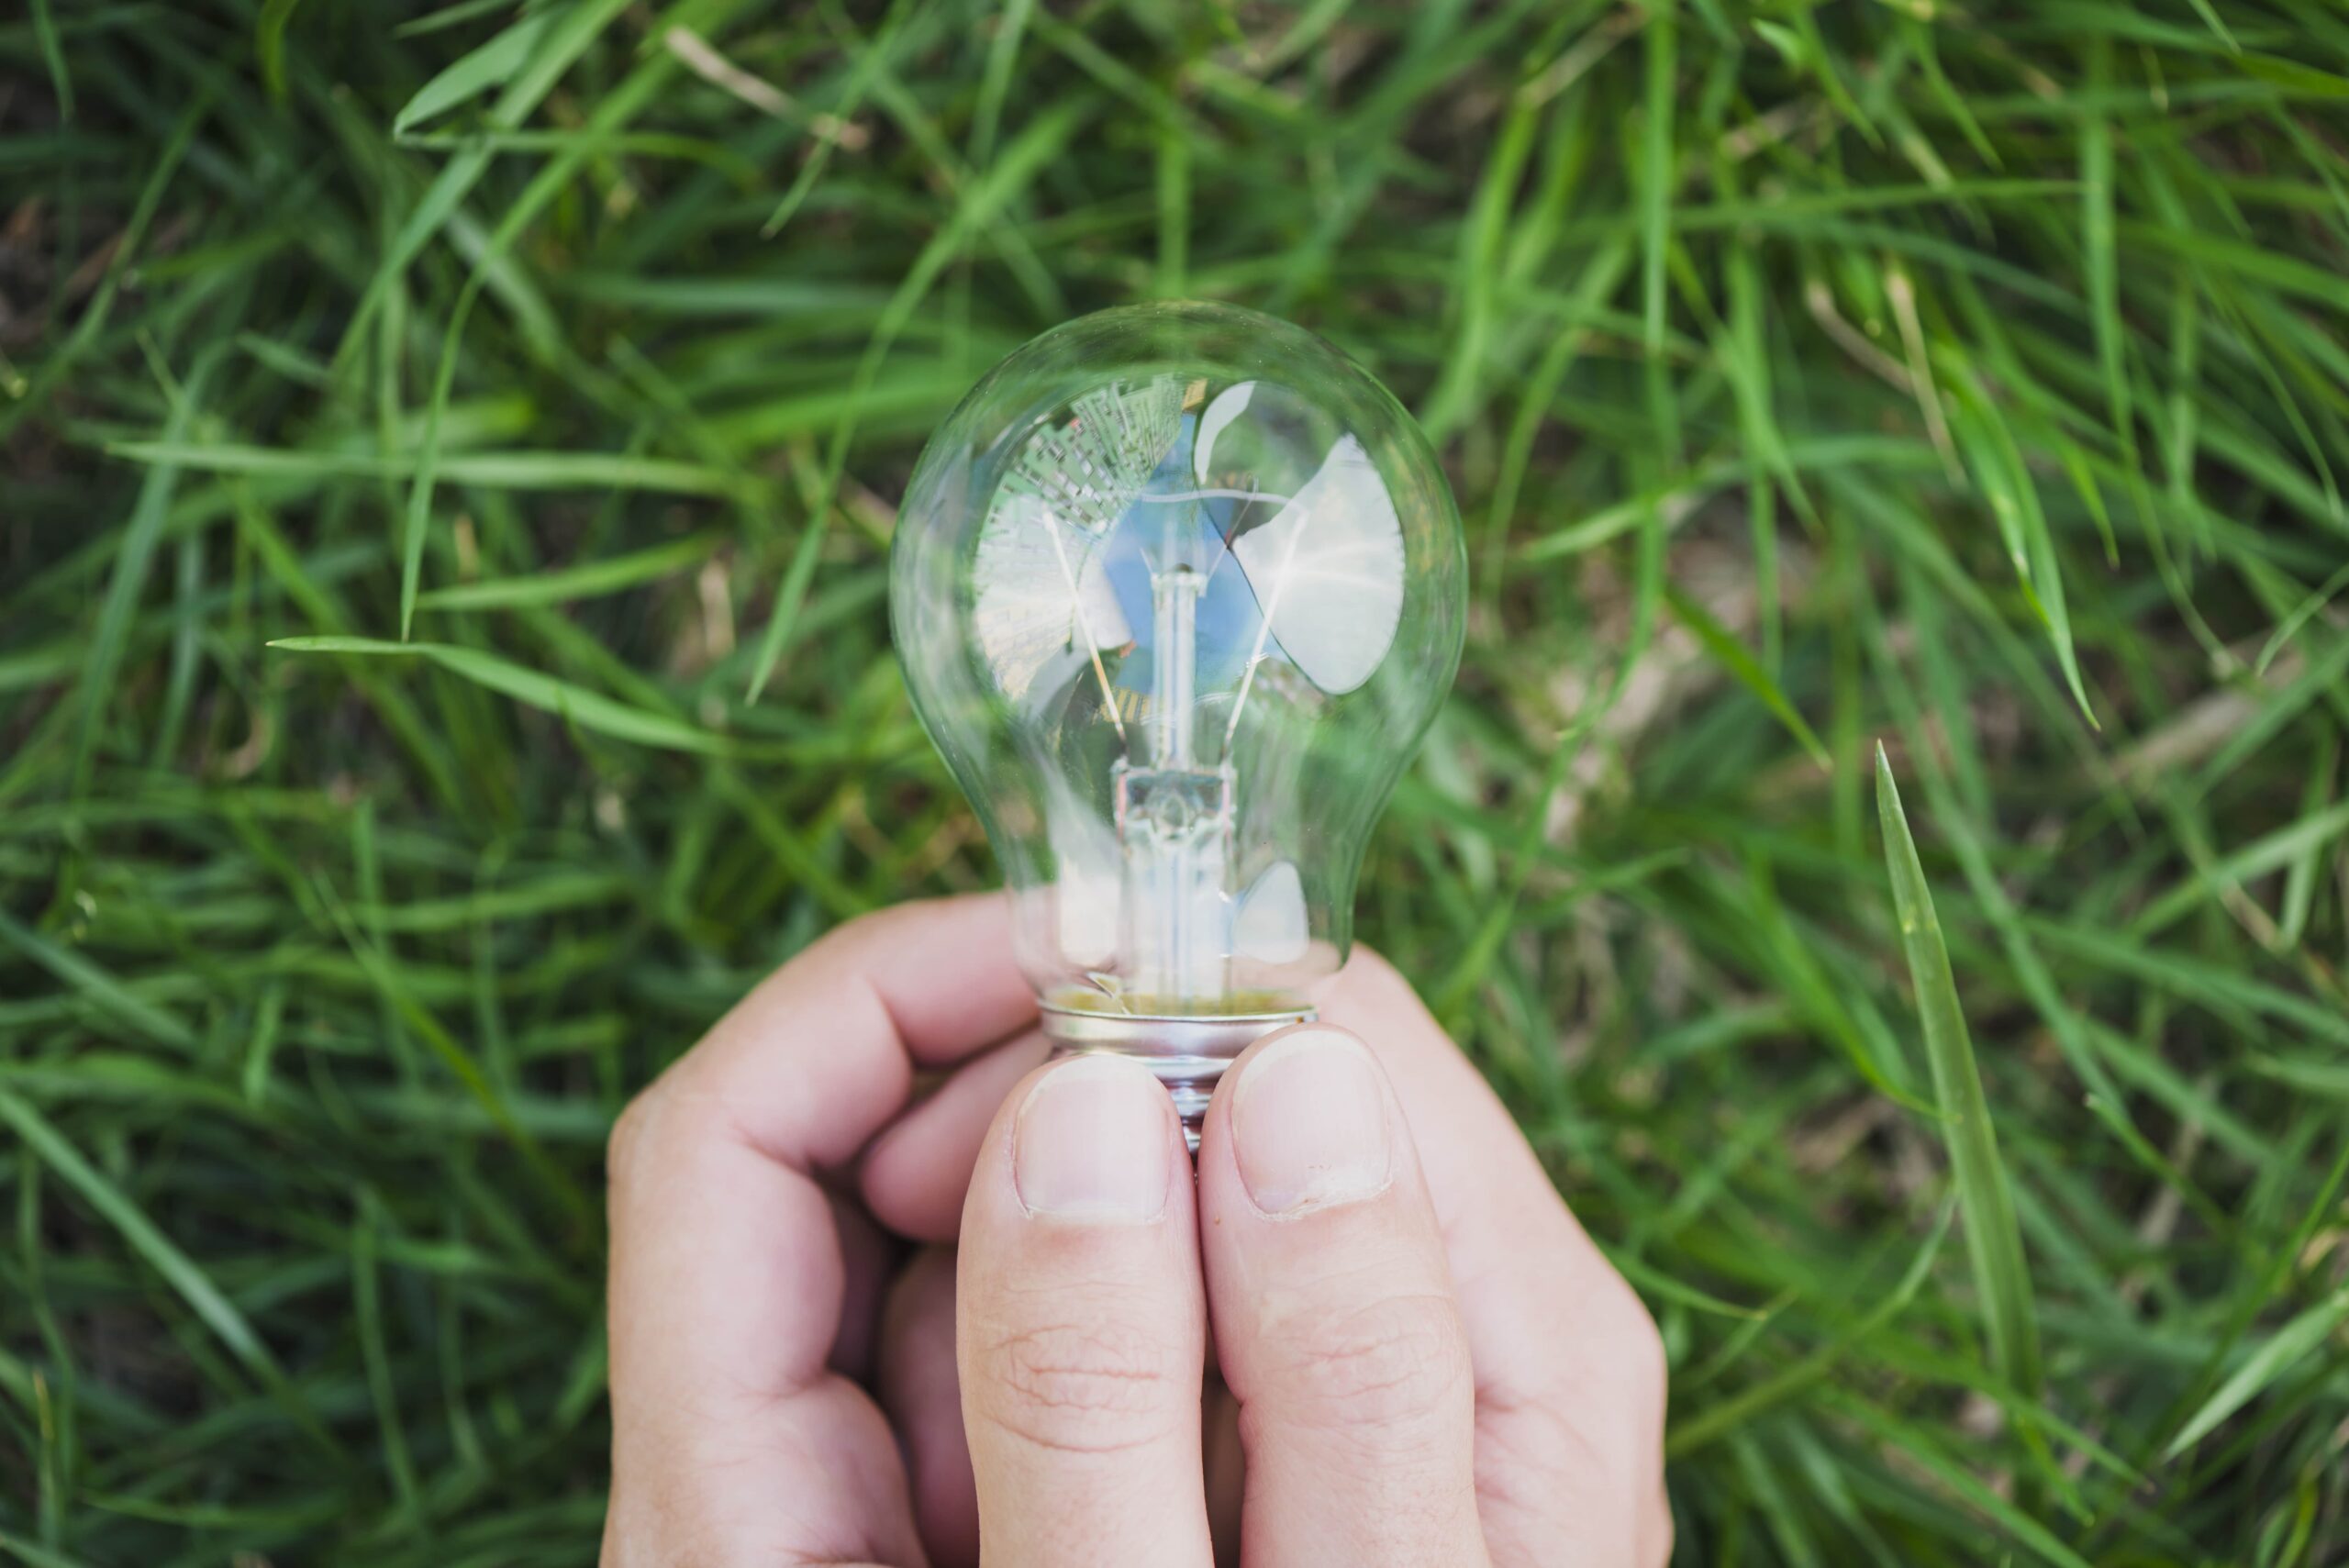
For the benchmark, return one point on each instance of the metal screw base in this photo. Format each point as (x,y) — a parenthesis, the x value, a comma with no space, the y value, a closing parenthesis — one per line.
(1187,1054)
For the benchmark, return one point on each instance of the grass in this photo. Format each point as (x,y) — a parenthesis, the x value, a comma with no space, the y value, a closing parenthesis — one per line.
(448,459)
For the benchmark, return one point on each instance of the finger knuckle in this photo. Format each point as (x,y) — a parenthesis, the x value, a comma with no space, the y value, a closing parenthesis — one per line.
(1081,1387)
(1660,1531)
(1633,1348)
(1392,1364)
(875,929)
(623,1144)
(1587,1425)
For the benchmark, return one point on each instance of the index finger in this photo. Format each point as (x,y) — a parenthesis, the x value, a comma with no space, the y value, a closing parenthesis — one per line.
(821,1053)
(726,1276)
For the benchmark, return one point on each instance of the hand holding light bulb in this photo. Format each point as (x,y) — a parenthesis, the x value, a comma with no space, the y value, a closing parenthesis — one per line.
(1176,589)
(1422,1358)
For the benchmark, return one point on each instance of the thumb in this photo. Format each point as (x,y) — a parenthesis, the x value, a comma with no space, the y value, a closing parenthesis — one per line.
(1080,1326)
(1334,1316)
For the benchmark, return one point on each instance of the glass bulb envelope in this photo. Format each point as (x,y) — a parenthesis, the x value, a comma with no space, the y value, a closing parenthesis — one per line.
(1176,589)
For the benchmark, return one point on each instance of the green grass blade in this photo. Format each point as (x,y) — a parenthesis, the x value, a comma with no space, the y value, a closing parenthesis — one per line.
(2103,262)
(491,64)
(588,580)
(870,60)
(268,43)
(1021,162)
(2277,1355)
(1732,1415)
(1730,655)
(489,470)
(105,991)
(180,1272)
(34,393)
(1993,1239)
(1656,173)
(52,57)
(128,582)
(588,709)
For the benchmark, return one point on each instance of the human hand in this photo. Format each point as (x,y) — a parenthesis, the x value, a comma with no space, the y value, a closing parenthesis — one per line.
(1425,1360)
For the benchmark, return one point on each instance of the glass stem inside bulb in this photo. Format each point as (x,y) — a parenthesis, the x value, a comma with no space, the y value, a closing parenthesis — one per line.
(1174,630)
(1175,823)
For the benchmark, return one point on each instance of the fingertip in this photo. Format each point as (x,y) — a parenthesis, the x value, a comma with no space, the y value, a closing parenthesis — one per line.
(1309,1121)
(1082,1176)
(1476,1158)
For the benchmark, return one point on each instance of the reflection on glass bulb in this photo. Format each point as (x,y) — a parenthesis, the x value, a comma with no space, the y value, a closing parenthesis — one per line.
(1177,588)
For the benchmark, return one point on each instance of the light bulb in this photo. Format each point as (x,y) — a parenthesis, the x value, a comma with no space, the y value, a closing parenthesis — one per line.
(1177,588)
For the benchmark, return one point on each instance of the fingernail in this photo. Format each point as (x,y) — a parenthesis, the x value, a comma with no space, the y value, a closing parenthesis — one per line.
(1309,1123)
(1092,1144)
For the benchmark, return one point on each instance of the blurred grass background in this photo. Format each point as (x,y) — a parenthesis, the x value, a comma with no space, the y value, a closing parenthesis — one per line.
(1965,378)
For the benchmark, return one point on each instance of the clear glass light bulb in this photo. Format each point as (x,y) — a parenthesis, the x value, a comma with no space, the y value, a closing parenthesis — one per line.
(1177,588)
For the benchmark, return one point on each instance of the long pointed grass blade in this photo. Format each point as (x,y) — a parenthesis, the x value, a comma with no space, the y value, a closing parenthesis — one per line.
(1993,1239)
